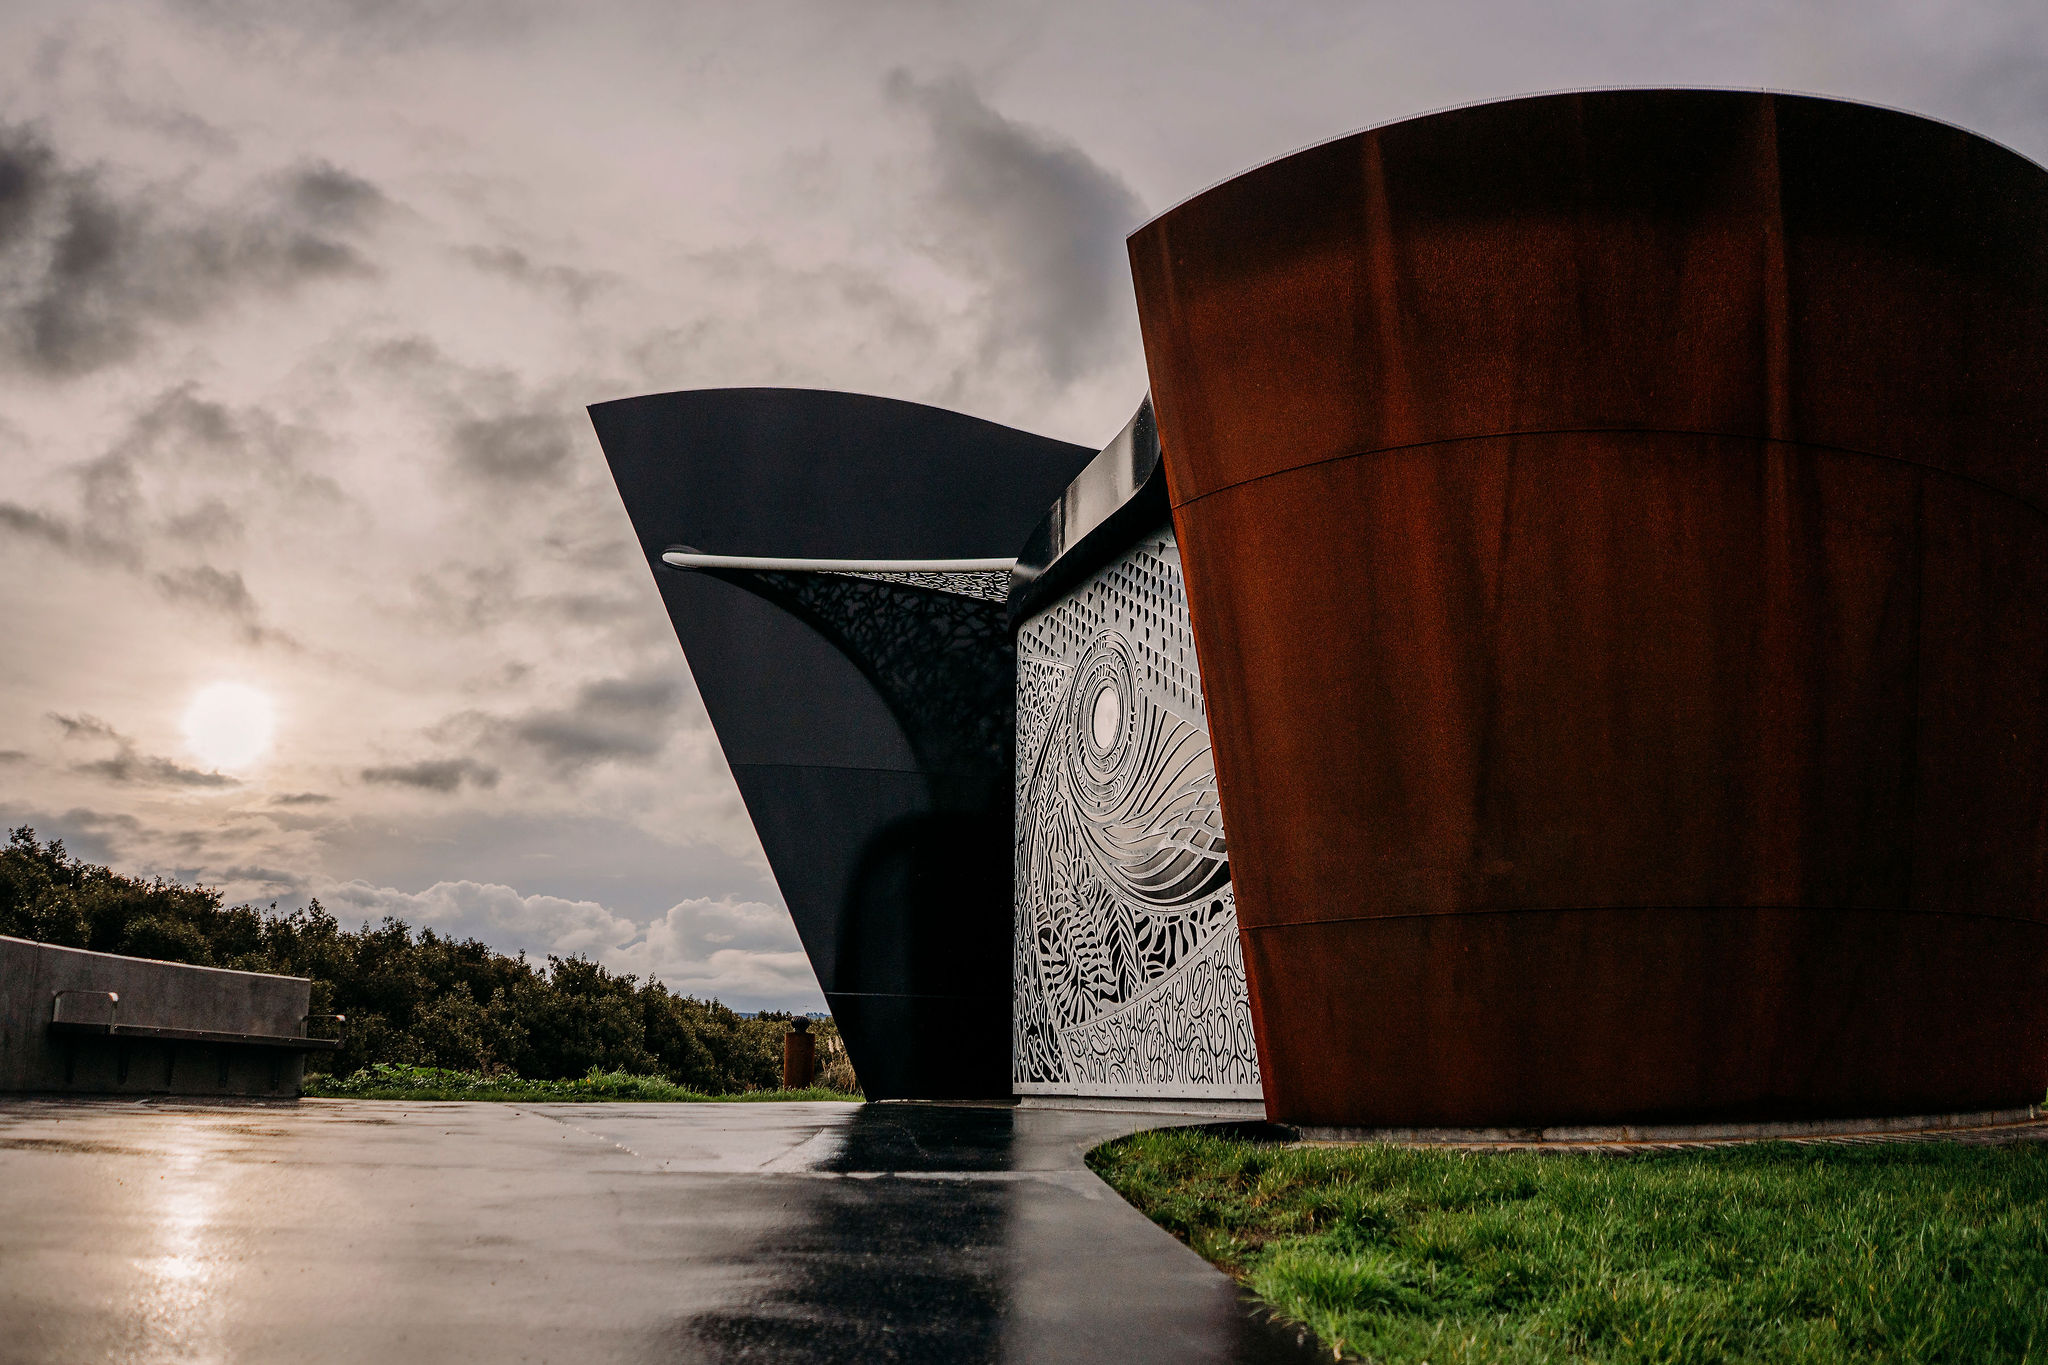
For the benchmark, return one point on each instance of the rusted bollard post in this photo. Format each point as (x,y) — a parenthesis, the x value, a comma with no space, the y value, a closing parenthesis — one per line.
(799,1055)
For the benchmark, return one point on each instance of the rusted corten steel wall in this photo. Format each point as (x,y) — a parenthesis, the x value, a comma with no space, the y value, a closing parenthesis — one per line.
(1614,531)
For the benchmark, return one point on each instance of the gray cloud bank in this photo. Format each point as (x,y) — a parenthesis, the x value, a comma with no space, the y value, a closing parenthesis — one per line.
(1035,218)
(126,766)
(89,268)
(434,774)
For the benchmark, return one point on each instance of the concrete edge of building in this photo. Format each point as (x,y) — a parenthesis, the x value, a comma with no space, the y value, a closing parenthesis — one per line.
(197,1030)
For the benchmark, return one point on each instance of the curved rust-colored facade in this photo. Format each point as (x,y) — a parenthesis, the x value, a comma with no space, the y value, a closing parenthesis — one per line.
(1614,531)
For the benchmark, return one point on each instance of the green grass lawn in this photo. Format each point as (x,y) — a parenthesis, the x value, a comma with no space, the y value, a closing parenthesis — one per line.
(385,1081)
(1779,1253)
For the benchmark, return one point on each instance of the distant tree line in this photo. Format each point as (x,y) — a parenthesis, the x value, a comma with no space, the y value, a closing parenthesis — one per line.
(411,996)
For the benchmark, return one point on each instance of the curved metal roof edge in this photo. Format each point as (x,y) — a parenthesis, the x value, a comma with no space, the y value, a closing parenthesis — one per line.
(1187,199)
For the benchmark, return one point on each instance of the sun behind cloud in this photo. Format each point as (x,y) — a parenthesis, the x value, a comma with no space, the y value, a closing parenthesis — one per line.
(230,725)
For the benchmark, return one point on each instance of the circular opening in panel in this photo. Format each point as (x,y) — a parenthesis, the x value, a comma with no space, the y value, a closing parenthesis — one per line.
(1107,716)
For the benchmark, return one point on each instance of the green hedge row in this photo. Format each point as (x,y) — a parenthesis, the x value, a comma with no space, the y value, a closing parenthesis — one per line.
(412,997)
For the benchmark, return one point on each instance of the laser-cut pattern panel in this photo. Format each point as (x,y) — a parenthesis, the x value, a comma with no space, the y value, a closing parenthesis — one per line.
(1129,975)
(989,586)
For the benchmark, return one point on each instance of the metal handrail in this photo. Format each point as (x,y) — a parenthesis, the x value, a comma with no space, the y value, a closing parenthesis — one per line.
(340,1022)
(58,1012)
(112,1027)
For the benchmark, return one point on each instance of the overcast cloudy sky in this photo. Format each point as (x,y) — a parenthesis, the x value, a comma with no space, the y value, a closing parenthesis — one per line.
(298,317)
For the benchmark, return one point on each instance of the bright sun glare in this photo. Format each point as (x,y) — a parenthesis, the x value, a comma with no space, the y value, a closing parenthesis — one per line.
(229,724)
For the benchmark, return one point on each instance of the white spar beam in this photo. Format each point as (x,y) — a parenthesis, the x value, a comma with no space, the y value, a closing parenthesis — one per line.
(691,559)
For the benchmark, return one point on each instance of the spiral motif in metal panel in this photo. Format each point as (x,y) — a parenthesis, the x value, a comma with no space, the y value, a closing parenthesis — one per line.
(1129,977)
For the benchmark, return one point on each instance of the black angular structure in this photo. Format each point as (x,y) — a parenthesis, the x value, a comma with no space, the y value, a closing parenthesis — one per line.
(1589,551)
(861,683)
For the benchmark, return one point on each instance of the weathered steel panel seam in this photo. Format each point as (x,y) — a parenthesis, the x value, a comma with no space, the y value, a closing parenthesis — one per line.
(1821,446)
(1468,912)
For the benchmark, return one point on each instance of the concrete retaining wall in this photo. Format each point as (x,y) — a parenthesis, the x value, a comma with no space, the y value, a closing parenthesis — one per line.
(156,994)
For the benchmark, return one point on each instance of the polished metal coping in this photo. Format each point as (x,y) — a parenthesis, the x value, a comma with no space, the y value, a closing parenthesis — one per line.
(692,559)
(1119,497)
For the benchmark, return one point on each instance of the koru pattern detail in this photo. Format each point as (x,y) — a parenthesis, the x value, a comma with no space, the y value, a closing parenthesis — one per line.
(1129,975)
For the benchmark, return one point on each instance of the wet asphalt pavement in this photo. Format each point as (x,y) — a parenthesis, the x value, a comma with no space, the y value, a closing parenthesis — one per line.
(335,1230)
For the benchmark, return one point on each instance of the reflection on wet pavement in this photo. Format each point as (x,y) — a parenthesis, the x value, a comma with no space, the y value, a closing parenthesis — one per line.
(345,1231)
(928,1137)
(871,1270)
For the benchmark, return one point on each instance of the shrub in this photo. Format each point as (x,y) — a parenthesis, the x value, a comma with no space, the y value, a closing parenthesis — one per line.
(412,997)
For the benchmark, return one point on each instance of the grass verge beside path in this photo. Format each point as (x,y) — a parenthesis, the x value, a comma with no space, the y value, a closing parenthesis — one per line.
(1768,1253)
(384,1081)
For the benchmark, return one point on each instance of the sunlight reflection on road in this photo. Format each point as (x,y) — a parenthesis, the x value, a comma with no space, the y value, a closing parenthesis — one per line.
(180,1296)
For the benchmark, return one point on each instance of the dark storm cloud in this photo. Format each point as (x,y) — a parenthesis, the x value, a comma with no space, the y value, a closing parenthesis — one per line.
(28,522)
(473,597)
(434,774)
(209,587)
(302,799)
(151,771)
(27,172)
(9,757)
(90,269)
(127,765)
(516,448)
(1039,221)
(379,24)
(101,821)
(615,719)
(185,470)
(327,194)
(180,432)
(566,282)
(406,355)
(627,720)
(629,698)
(86,727)
(269,878)
(168,122)
(207,523)
(223,593)
(502,435)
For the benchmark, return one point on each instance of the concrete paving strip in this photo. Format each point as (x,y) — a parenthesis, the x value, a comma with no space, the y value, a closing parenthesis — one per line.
(333,1230)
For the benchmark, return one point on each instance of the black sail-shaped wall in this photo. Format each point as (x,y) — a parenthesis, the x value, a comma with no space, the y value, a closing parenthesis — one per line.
(867,719)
